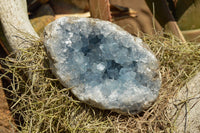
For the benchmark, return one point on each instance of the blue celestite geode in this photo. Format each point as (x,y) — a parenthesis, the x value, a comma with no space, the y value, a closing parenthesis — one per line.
(106,67)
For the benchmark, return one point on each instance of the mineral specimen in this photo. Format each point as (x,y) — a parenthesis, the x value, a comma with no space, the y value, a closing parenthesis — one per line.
(106,67)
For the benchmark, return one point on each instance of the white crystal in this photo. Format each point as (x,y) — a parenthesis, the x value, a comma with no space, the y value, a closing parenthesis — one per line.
(101,66)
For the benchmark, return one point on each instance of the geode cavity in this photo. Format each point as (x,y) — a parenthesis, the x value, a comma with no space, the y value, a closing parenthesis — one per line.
(106,67)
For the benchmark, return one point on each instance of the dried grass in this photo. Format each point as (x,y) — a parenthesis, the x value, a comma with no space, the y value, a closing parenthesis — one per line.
(42,104)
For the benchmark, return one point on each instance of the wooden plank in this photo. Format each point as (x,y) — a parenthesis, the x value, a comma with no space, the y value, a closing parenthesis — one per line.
(100,9)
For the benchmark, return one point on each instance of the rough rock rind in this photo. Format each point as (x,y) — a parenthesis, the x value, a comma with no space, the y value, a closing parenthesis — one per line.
(107,67)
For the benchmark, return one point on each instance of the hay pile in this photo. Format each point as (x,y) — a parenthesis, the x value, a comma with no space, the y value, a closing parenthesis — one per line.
(41,104)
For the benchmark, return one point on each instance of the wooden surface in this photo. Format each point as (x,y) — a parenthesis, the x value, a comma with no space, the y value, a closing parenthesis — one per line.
(15,21)
(6,120)
(144,22)
(100,9)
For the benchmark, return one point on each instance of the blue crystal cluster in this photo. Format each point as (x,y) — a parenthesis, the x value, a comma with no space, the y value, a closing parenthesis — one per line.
(107,67)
